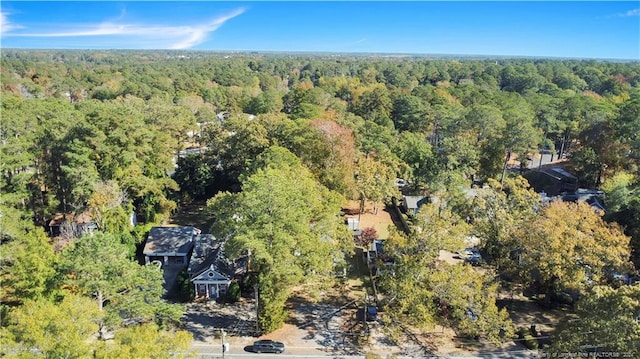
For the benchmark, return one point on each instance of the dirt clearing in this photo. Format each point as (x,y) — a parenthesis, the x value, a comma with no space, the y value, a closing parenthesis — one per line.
(380,220)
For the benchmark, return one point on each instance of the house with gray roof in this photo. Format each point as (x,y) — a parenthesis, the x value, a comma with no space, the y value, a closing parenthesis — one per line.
(411,204)
(171,246)
(210,271)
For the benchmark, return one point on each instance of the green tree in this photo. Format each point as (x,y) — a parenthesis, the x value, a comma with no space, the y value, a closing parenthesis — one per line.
(486,121)
(195,176)
(146,341)
(622,199)
(416,152)
(497,213)
(27,267)
(409,113)
(458,155)
(111,209)
(375,105)
(520,135)
(601,150)
(289,223)
(44,329)
(374,181)
(99,267)
(265,102)
(424,291)
(304,101)
(607,319)
(233,296)
(375,139)
(569,246)
(236,141)
(628,125)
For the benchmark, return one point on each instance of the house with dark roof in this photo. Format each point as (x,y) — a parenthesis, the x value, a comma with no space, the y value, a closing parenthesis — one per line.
(171,246)
(210,271)
(556,184)
(552,181)
(71,225)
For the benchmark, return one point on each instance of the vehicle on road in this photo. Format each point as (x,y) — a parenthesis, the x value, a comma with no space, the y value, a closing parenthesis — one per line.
(268,346)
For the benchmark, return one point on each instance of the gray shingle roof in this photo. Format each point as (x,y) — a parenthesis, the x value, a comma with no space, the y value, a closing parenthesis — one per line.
(413,202)
(210,251)
(177,240)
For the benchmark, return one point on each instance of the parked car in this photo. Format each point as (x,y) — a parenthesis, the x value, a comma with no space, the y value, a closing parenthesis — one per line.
(472,256)
(268,346)
(400,182)
(372,313)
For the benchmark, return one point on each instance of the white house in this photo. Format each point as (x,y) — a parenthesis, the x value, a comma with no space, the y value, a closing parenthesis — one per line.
(210,284)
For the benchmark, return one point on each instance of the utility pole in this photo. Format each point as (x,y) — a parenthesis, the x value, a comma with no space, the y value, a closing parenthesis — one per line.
(504,167)
(255,291)
(225,345)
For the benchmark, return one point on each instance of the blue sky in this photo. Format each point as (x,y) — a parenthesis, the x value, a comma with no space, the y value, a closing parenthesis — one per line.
(581,29)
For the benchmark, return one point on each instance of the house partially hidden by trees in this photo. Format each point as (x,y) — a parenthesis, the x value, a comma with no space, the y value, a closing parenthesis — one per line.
(411,204)
(171,246)
(552,181)
(71,226)
(556,184)
(210,271)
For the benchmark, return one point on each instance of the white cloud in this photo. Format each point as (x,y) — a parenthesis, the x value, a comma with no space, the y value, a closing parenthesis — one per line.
(198,34)
(630,13)
(152,36)
(5,25)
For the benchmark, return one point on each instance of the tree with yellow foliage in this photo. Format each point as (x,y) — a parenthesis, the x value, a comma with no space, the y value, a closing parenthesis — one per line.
(570,246)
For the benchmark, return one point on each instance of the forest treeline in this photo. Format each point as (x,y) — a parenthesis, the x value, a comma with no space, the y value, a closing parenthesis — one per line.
(105,132)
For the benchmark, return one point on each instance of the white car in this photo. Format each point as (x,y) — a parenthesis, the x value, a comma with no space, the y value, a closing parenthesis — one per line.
(399,182)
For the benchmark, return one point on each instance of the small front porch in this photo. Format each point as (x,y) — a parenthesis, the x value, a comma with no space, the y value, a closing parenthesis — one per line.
(210,290)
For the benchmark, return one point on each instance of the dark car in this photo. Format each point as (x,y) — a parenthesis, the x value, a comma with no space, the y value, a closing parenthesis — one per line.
(473,256)
(268,346)
(372,313)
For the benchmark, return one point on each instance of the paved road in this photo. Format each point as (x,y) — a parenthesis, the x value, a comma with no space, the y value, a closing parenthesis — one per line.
(208,351)
(244,351)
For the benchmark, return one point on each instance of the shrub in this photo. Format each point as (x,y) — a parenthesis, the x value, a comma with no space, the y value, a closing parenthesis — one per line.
(186,292)
(233,295)
(530,342)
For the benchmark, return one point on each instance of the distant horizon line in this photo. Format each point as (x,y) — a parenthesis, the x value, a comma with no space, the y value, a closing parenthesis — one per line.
(334,53)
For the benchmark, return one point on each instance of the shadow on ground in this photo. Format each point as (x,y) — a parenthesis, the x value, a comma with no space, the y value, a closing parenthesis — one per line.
(205,319)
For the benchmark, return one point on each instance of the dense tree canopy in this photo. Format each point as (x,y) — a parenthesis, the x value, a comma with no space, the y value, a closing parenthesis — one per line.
(289,224)
(606,322)
(279,141)
(424,291)
(44,329)
(570,246)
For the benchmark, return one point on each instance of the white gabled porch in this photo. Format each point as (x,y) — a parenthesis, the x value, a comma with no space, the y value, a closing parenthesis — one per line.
(210,284)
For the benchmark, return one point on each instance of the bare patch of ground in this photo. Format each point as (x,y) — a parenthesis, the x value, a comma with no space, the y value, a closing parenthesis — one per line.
(380,219)
(204,319)
(525,312)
